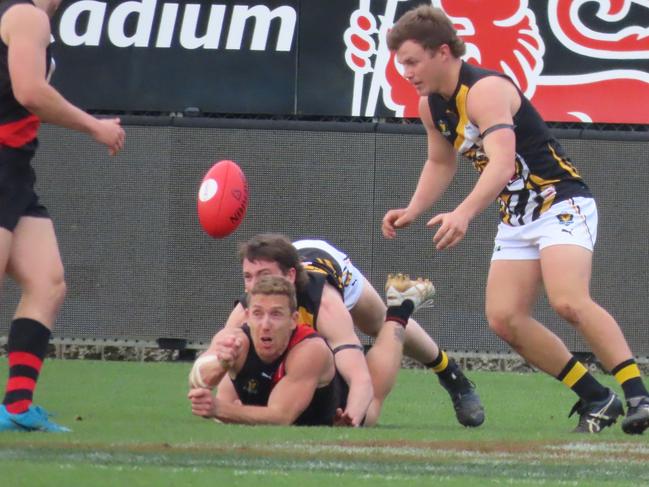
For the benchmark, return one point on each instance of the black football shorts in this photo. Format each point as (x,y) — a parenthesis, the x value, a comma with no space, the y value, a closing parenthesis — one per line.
(17,195)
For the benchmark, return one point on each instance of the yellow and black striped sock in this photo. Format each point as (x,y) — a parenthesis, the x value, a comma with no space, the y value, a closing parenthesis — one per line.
(576,376)
(628,376)
(447,370)
(440,364)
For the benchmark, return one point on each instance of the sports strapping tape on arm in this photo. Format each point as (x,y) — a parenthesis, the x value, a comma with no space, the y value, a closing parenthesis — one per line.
(340,348)
(195,376)
(498,126)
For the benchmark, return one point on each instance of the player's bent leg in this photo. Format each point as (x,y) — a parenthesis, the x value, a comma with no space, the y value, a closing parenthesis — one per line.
(512,290)
(418,344)
(34,262)
(403,292)
(368,313)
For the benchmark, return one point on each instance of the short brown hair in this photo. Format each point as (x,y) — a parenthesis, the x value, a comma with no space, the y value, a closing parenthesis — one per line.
(275,247)
(427,26)
(275,286)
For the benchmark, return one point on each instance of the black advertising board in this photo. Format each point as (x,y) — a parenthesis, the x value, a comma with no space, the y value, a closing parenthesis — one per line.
(578,60)
(151,55)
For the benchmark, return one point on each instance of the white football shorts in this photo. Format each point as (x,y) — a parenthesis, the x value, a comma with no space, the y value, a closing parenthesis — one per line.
(352,277)
(569,222)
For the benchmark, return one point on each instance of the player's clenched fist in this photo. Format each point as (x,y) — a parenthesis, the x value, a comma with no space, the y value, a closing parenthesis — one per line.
(227,348)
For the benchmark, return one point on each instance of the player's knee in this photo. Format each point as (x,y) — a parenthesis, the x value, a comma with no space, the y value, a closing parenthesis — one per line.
(57,290)
(369,320)
(50,289)
(502,323)
(569,309)
(371,328)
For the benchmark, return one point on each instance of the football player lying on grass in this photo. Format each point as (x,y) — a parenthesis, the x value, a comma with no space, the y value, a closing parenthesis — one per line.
(270,371)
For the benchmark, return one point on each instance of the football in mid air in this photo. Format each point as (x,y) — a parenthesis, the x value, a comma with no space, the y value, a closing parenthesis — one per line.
(222,199)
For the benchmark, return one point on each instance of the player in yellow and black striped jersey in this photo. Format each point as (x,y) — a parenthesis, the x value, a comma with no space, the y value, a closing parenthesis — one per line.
(543,173)
(548,216)
(333,297)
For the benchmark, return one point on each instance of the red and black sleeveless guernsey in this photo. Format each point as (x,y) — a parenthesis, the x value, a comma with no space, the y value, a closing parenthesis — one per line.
(18,127)
(544,174)
(256,380)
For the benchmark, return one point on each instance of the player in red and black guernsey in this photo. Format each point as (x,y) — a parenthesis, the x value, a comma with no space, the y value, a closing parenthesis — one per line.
(28,247)
(272,370)
(333,297)
(548,221)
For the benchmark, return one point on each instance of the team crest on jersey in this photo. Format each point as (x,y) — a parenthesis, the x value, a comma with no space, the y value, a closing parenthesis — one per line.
(565,219)
(442,126)
(252,387)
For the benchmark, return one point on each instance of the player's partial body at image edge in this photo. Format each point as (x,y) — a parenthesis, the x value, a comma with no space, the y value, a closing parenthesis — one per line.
(29,251)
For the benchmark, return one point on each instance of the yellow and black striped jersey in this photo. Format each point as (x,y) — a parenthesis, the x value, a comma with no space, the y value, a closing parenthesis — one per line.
(544,174)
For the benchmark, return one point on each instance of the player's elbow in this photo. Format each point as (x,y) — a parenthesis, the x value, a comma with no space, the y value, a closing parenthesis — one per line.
(30,96)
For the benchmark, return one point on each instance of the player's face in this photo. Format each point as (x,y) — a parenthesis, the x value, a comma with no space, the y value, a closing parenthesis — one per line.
(422,67)
(271,324)
(253,270)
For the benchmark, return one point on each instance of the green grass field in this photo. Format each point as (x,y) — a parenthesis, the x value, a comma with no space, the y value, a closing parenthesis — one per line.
(132,427)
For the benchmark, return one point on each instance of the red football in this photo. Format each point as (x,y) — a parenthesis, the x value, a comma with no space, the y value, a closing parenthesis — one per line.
(222,199)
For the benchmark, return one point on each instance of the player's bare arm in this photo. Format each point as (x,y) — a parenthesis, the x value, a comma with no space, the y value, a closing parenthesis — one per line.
(491,102)
(336,325)
(436,175)
(308,366)
(26,31)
